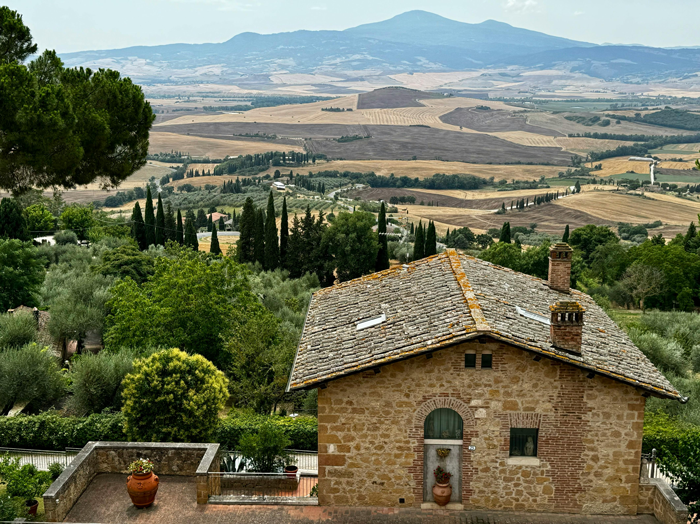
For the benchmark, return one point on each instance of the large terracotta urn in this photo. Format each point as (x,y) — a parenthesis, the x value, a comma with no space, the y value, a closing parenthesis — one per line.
(142,488)
(442,493)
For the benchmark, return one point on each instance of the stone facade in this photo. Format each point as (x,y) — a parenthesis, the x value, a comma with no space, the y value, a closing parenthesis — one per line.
(590,433)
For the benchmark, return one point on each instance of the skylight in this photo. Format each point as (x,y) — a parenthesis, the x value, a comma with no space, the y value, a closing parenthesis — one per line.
(369,323)
(532,316)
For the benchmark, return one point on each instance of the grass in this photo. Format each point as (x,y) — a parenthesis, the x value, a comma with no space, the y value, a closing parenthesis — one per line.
(624,317)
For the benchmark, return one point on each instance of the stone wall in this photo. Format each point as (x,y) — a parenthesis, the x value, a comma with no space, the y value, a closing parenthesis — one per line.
(114,457)
(656,497)
(590,433)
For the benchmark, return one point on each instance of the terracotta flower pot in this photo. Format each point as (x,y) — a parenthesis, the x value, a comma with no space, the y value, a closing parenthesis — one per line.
(32,506)
(142,488)
(291,471)
(442,493)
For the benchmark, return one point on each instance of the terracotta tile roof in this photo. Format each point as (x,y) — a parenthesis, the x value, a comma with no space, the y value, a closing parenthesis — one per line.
(447,299)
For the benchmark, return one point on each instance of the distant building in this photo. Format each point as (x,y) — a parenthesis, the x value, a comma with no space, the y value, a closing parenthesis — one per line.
(216,216)
(279,186)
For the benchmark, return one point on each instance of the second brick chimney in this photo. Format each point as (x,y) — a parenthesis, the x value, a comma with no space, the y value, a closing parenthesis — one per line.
(560,267)
(566,326)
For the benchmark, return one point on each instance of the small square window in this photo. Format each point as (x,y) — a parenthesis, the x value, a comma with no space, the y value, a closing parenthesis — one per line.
(470,360)
(523,442)
(486,360)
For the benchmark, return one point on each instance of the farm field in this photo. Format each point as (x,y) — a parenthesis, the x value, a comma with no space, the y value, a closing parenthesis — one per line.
(491,121)
(557,122)
(209,146)
(391,97)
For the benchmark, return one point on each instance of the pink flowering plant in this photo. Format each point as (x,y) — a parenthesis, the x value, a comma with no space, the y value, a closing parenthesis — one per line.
(141,466)
(442,476)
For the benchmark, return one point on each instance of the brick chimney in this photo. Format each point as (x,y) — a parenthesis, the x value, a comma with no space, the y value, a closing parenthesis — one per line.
(560,267)
(566,326)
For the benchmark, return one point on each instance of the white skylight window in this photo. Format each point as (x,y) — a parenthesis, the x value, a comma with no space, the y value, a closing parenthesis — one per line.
(532,316)
(369,323)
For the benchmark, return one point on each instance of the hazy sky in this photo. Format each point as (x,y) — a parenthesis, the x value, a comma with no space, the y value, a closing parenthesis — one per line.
(76,25)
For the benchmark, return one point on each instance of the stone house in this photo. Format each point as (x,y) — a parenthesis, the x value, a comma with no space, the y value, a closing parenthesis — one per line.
(537,394)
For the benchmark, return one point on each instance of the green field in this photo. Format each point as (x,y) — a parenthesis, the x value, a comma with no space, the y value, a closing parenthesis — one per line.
(690,179)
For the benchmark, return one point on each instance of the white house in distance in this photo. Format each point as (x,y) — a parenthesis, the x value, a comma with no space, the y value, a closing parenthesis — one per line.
(279,186)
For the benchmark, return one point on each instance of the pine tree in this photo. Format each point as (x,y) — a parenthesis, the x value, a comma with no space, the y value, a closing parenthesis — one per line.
(191,234)
(170,232)
(284,234)
(259,238)
(160,223)
(150,219)
(245,247)
(430,240)
(565,238)
(180,234)
(505,233)
(214,246)
(419,244)
(383,253)
(138,228)
(272,250)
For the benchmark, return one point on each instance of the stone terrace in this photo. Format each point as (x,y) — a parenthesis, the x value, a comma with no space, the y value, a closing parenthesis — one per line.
(106,501)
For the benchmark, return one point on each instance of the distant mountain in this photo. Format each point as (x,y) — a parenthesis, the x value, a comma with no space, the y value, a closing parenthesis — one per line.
(415,41)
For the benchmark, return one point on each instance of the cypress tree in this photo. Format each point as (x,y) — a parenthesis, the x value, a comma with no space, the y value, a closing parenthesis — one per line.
(222,224)
(419,244)
(180,234)
(431,240)
(210,223)
(138,228)
(284,234)
(191,234)
(160,223)
(259,238)
(413,231)
(201,219)
(505,233)
(383,253)
(170,232)
(214,246)
(150,219)
(245,247)
(272,250)
(565,238)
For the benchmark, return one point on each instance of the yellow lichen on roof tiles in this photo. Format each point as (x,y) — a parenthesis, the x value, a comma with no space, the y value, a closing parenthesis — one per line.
(470,297)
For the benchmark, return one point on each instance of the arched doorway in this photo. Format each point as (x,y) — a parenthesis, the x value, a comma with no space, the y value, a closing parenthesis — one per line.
(442,437)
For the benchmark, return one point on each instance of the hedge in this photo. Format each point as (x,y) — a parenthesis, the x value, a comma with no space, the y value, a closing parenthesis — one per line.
(52,431)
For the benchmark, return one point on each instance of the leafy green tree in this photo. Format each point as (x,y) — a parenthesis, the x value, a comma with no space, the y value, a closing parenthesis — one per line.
(12,221)
(272,254)
(17,329)
(262,352)
(21,275)
(691,241)
(503,254)
(160,223)
(265,451)
(138,228)
(126,261)
(430,240)
(214,246)
(29,375)
(16,43)
(149,219)
(284,234)
(40,221)
(565,238)
(505,233)
(65,127)
(245,246)
(78,219)
(191,234)
(173,397)
(587,238)
(259,237)
(608,262)
(383,253)
(198,299)
(352,245)
(180,234)
(170,231)
(643,281)
(419,243)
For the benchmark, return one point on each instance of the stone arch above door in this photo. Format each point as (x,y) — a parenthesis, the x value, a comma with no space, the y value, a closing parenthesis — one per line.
(443,402)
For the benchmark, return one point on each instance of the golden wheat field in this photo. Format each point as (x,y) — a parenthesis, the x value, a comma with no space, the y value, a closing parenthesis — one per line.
(617,165)
(618,207)
(208,147)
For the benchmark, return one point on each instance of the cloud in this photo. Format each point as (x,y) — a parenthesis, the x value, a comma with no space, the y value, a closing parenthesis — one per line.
(578,13)
(520,6)
(319,8)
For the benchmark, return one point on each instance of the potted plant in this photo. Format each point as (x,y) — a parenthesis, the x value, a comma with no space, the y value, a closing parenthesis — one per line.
(24,482)
(142,484)
(442,490)
(291,471)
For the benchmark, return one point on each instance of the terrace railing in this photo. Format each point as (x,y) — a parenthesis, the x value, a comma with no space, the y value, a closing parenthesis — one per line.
(41,459)
(263,488)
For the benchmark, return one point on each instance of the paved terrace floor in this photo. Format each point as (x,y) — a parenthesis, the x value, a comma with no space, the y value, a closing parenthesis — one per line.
(105,501)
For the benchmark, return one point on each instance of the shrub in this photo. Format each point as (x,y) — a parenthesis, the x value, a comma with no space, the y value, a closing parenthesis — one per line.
(10,509)
(17,329)
(55,470)
(97,381)
(64,238)
(301,431)
(264,451)
(173,397)
(28,375)
(25,482)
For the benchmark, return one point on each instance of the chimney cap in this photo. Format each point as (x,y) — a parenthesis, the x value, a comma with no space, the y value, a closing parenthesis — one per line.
(567,307)
(560,246)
